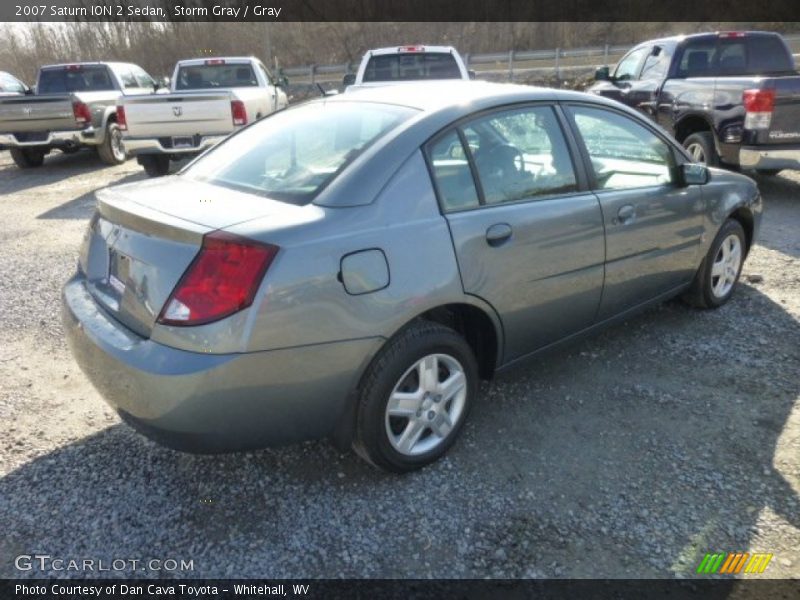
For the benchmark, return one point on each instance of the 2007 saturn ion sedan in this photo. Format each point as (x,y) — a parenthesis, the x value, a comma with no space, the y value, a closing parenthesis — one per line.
(352,266)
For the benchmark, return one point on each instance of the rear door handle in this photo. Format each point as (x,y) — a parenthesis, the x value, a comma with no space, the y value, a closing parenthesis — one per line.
(498,234)
(626,214)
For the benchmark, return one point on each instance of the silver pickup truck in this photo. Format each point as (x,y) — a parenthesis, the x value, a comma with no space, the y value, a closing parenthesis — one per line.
(75,106)
(209,99)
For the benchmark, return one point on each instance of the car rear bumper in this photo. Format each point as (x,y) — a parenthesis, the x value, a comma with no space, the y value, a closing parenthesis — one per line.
(784,157)
(135,146)
(56,139)
(212,402)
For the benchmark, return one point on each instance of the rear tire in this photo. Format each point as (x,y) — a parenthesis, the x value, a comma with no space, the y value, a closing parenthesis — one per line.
(415,398)
(155,165)
(702,149)
(27,158)
(112,150)
(719,272)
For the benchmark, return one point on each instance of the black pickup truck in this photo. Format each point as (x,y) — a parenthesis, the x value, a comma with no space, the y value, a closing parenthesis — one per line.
(731,98)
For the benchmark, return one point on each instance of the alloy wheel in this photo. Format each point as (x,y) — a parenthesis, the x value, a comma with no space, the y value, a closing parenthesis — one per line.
(726,266)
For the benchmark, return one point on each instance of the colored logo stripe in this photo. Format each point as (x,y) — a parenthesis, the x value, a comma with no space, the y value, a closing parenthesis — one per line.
(731,563)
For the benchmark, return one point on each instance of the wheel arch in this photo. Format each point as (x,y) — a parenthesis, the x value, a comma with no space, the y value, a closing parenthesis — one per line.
(689,124)
(745,218)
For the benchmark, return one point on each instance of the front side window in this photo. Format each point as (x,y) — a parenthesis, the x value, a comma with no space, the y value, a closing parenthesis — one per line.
(143,80)
(209,76)
(520,154)
(628,67)
(75,78)
(10,84)
(127,78)
(292,155)
(624,154)
(656,64)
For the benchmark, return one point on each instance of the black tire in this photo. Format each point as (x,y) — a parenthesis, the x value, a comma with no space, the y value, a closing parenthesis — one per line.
(155,165)
(768,172)
(396,358)
(701,294)
(27,158)
(111,151)
(704,141)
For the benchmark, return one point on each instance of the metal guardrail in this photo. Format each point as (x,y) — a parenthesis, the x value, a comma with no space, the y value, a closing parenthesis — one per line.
(558,61)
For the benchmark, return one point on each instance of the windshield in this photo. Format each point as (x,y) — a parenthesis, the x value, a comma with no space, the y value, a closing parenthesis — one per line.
(292,155)
(411,66)
(213,76)
(75,78)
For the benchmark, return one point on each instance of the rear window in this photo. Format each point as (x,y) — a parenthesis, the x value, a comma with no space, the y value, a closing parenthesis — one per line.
(213,76)
(292,155)
(77,78)
(411,66)
(747,55)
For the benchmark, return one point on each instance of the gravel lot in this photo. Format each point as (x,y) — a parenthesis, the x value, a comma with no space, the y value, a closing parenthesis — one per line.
(630,454)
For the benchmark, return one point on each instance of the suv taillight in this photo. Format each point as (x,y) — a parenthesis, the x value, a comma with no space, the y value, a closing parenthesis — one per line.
(759,105)
(221,280)
(238,112)
(81,112)
(122,120)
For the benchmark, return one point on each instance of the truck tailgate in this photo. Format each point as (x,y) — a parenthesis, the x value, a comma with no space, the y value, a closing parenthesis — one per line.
(785,124)
(29,114)
(185,114)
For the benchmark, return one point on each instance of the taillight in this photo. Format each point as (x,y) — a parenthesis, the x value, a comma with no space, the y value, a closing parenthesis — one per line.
(221,280)
(122,120)
(759,105)
(81,112)
(238,112)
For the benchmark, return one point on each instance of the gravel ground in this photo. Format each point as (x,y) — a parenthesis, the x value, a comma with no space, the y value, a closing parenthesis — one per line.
(630,454)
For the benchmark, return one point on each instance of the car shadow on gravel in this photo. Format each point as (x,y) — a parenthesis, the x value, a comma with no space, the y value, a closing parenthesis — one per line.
(630,454)
(57,167)
(83,206)
(781,213)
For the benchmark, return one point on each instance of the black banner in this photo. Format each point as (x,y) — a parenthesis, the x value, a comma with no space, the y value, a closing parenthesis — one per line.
(396,10)
(555,589)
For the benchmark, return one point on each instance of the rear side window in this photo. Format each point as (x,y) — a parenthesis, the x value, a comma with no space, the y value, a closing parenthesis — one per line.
(411,66)
(697,59)
(624,154)
(452,174)
(292,155)
(75,78)
(210,76)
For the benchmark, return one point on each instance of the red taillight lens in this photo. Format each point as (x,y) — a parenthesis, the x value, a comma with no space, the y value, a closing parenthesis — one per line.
(759,100)
(81,112)
(222,280)
(122,120)
(238,112)
(215,61)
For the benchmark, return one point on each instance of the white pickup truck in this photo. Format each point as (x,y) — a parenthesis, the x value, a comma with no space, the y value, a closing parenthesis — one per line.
(398,64)
(209,99)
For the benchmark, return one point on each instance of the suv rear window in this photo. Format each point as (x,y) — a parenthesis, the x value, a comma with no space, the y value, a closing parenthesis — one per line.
(292,155)
(75,78)
(410,66)
(201,77)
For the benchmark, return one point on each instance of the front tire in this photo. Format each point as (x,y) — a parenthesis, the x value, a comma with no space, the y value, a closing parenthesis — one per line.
(415,398)
(112,150)
(155,165)
(702,149)
(27,158)
(719,272)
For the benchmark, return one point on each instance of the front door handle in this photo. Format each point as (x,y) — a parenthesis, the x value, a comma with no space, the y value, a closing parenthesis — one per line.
(626,214)
(498,234)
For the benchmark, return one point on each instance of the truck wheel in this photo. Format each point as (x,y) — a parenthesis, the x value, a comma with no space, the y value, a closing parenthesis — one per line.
(702,149)
(27,158)
(155,165)
(415,397)
(112,150)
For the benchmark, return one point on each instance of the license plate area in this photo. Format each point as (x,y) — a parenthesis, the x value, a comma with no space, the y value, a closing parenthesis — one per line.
(118,271)
(183,141)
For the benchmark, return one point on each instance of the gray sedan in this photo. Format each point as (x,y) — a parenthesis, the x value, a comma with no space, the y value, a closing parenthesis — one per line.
(351,267)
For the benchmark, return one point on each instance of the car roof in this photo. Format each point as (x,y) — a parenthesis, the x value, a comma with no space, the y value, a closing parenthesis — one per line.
(89,64)
(677,39)
(430,96)
(193,62)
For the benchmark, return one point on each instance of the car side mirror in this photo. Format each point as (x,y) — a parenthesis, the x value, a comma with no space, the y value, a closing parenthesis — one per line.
(602,74)
(471,74)
(349,79)
(282,81)
(28,91)
(693,174)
